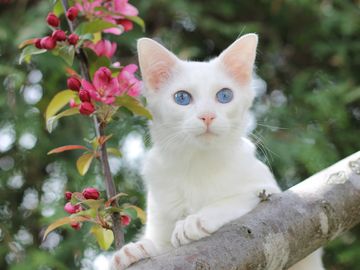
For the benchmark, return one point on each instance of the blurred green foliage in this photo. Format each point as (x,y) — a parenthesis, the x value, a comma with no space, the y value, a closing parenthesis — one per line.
(308,117)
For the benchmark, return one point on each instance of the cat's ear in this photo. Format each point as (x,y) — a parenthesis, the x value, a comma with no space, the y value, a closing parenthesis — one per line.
(156,62)
(239,58)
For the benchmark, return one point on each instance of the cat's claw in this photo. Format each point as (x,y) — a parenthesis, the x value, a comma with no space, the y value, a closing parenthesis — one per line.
(190,229)
(132,253)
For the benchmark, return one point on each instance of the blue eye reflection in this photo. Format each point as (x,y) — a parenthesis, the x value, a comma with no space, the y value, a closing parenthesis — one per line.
(225,95)
(182,98)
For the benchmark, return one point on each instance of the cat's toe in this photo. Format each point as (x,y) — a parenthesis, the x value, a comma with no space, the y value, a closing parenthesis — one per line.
(190,229)
(132,253)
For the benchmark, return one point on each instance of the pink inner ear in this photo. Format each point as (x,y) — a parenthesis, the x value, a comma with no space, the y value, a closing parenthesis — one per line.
(239,58)
(158,73)
(156,63)
(240,70)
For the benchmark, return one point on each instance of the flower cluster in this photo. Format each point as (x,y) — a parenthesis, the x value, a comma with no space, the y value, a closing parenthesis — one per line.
(58,35)
(104,87)
(114,12)
(88,193)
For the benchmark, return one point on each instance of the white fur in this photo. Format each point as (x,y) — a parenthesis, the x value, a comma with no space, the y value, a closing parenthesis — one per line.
(196,181)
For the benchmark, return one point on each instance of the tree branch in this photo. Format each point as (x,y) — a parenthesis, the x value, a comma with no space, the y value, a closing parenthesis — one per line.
(100,131)
(279,232)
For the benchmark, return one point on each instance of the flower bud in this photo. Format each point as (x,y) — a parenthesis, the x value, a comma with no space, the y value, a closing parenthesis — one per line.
(127,24)
(72,209)
(76,225)
(73,83)
(37,43)
(86,108)
(72,13)
(68,195)
(52,20)
(84,95)
(91,193)
(125,220)
(59,35)
(48,43)
(73,39)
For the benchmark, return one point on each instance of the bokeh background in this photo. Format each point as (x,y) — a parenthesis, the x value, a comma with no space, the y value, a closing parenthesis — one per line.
(307,108)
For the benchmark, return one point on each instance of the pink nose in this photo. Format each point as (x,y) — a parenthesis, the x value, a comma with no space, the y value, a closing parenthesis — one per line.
(207,118)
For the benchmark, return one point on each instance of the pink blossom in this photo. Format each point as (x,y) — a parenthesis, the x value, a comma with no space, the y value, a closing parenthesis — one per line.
(128,82)
(120,8)
(117,10)
(88,7)
(104,88)
(103,48)
(124,8)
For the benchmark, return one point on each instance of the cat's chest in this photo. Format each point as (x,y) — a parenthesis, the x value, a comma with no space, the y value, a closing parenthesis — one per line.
(190,187)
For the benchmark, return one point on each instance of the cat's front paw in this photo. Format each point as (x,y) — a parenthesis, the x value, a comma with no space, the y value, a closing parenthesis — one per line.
(132,253)
(190,229)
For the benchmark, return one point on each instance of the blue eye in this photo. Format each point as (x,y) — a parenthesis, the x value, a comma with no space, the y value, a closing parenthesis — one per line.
(182,98)
(225,95)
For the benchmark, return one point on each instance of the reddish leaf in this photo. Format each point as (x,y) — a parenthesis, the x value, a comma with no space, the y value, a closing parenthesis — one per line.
(71,72)
(112,199)
(27,42)
(64,221)
(67,148)
(104,139)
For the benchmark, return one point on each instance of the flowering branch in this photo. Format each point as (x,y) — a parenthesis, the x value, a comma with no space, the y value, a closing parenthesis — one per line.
(100,131)
(102,88)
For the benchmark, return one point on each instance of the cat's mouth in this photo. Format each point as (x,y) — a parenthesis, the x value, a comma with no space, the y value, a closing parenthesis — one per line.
(207,134)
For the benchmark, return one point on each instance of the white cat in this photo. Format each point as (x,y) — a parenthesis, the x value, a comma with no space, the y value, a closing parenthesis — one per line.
(201,172)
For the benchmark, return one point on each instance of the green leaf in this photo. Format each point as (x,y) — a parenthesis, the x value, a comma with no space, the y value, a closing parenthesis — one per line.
(102,61)
(95,62)
(64,221)
(114,151)
(133,105)
(58,8)
(27,52)
(94,204)
(103,236)
(92,213)
(137,20)
(67,53)
(76,198)
(140,213)
(52,120)
(94,27)
(60,100)
(83,163)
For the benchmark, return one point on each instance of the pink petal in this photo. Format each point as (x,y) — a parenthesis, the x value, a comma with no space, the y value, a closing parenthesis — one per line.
(132,68)
(87,86)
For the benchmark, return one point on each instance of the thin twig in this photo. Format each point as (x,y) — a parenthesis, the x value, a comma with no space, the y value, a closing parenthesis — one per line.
(100,131)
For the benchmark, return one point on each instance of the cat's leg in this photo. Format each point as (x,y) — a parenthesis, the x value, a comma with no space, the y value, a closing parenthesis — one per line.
(133,252)
(311,262)
(211,218)
(155,241)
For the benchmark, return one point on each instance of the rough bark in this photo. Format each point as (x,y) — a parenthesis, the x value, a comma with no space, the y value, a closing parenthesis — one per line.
(280,231)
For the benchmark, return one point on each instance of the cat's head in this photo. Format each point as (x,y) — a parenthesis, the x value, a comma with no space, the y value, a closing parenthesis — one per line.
(198,104)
